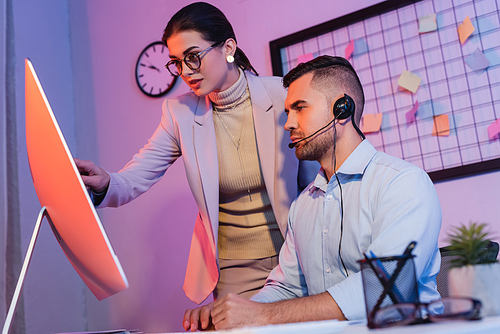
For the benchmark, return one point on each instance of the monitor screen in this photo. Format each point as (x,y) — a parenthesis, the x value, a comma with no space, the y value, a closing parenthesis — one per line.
(60,189)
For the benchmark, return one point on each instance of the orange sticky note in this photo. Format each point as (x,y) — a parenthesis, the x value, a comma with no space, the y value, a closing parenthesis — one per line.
(305,58)
(409,81)
(441,126)
(349,49)
(372,122)
(465,29)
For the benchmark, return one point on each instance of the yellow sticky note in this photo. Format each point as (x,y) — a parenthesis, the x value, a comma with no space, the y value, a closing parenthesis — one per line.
(409,81)
(372,122)
(427,23)
(465,29)
(441,126)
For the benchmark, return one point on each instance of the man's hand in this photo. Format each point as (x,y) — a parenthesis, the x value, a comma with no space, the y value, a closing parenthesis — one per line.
(198,318)
(93,176)
(235,311)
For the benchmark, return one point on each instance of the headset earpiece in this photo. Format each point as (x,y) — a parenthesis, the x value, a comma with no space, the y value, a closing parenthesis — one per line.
(344,107)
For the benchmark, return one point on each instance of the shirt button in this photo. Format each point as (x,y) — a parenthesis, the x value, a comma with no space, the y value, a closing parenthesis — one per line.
(327,270)
(329,196)
(325,231)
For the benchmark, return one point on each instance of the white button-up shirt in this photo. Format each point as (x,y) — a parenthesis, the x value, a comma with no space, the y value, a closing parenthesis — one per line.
(387,203)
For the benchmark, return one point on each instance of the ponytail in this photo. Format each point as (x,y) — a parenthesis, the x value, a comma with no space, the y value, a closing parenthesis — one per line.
(242,61)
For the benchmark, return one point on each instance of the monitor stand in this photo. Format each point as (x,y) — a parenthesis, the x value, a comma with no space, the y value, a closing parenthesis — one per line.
(26,263)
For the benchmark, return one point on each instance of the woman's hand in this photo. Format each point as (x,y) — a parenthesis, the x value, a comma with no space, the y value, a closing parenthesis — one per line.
(93,176)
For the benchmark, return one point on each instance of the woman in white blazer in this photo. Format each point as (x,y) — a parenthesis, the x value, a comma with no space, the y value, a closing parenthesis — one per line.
(203,51)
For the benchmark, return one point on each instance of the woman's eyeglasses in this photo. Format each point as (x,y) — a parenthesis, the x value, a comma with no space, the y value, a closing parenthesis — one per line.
(192,60)
(450,308)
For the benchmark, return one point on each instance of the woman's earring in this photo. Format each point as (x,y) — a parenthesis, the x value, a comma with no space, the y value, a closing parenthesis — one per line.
(230,58)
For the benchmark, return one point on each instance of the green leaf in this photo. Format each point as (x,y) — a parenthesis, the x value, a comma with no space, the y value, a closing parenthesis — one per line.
(469,245)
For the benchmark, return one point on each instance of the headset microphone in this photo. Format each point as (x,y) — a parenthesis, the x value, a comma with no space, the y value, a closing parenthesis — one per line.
(292,145)
(342,109)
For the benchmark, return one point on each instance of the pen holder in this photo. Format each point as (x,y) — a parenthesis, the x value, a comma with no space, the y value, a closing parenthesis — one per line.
(388,281)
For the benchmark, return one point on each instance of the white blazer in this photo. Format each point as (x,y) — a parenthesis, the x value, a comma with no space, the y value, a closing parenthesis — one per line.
(187,129)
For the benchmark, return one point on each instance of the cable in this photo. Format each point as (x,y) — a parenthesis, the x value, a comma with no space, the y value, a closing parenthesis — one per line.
(341,198)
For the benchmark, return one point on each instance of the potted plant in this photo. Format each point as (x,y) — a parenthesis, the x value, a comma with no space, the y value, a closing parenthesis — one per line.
(475,271)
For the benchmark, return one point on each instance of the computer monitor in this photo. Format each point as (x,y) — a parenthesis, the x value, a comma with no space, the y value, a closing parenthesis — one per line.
(65,201)
(61,190)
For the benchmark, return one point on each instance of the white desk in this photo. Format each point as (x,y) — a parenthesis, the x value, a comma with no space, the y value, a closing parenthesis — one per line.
(487,325)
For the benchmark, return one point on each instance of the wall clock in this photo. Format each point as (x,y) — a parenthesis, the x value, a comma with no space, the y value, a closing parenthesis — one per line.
(151,75)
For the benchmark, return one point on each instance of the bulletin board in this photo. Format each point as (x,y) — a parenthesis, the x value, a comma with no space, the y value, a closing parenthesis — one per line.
(387,42)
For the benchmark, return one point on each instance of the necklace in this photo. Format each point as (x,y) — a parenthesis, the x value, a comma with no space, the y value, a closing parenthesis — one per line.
(235,141)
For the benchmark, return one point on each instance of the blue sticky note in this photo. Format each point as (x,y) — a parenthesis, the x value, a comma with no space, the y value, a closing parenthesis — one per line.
(360,46)
(477,60)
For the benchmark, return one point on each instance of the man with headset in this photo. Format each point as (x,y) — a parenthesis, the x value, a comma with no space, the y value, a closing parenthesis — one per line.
(361,201)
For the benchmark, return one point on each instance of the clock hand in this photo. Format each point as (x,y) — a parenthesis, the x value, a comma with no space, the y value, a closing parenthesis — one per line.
(154,67)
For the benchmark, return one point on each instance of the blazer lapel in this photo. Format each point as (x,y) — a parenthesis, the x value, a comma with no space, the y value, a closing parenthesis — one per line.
(205,147)
(265,131)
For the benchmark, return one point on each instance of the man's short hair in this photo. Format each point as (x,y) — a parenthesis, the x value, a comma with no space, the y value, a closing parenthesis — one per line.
(328,72)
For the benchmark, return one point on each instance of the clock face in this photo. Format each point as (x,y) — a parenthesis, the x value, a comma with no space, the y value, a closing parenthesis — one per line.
(150,73)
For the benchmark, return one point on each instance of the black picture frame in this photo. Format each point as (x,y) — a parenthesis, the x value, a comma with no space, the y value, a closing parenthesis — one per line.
(378,9)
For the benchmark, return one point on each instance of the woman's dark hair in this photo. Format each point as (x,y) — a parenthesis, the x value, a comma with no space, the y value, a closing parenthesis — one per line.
(211,23)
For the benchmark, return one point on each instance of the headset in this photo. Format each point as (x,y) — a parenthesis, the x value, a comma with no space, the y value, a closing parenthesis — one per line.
(343,108)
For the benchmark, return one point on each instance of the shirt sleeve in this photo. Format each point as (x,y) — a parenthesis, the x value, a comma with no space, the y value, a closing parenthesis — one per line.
(287,280)
(406,209)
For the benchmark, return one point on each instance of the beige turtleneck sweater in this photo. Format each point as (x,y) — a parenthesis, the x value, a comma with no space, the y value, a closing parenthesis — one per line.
(247,225)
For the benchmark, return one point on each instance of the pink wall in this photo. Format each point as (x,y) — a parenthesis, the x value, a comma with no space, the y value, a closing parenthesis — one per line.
(151,235)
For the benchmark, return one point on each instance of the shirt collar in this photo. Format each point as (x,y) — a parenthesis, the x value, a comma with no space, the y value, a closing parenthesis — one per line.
(355,163)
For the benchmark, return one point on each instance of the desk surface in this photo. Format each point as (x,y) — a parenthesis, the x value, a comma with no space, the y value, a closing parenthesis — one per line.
(487,325)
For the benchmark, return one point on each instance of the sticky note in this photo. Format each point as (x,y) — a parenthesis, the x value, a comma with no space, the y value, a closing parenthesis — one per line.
(305,58)
(494,130)
(410,115)
(409,81)
(349,49)
(465,29)
(360,46)
(372,122)
(477,60)
(427,23)
(441,126)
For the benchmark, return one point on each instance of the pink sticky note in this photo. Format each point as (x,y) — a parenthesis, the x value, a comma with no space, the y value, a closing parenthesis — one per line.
(465,29)
(305,58)
(372,122)
(441,126)
(494,129)
(349,49)
(410,115)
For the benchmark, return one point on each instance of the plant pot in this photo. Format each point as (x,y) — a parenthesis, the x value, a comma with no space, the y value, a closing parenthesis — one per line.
(479,282)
